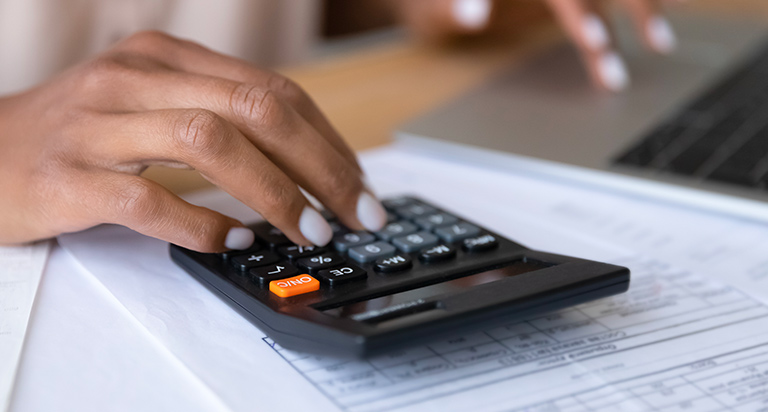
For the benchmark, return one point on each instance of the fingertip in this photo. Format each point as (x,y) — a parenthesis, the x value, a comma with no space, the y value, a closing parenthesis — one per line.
(613,72)
(370,212)
(314,227)
(594,32)
(471,14)
(660,35)
(239,238)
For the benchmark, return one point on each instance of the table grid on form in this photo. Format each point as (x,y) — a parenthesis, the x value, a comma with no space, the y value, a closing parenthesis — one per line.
(673,313)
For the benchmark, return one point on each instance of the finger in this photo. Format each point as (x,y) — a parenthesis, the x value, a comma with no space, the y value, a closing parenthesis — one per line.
(210,144)
(654,29)
(585,24)
(152,210)
(280,133)
(439,19)
(194,58)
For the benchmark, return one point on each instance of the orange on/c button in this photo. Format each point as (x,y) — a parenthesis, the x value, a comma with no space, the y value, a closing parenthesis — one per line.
(294,286)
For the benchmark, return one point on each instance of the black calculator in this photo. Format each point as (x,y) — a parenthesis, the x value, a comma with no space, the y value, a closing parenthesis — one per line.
(427,274)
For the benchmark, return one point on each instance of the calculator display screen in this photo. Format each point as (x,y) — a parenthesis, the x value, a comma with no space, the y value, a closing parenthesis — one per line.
(381,305)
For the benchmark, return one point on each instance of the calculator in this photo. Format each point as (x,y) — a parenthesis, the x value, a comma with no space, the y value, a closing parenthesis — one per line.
(427,274)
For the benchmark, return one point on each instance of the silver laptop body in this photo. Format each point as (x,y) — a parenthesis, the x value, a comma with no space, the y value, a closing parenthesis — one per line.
(546,118)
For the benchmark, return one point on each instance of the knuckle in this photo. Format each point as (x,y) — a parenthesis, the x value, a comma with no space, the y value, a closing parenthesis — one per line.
(200,133)
(253,103)
(287,89)
(136,203)
(149,40)
(102,72)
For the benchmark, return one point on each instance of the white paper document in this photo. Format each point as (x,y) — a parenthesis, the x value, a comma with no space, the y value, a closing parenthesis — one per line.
(20,271)
(676,341)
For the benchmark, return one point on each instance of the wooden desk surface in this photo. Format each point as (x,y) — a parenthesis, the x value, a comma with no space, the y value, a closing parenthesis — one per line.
(367,93)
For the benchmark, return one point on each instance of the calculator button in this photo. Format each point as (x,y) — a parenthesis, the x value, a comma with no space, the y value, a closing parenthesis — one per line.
(341,274)
(457,232)
(266,274)
(437,253)
(251,260)
(480,243)
(415,241)
(349,240)
(371,252)
(414,211)
(435,220)
(232,253)
(294,286)
(337,228)
(396,229)
(296,252)
(396,202)
(393,264)
(319,262)
(271,235)
(391,217)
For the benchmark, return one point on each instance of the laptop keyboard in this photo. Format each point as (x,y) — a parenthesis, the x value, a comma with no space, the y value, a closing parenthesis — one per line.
(721,136)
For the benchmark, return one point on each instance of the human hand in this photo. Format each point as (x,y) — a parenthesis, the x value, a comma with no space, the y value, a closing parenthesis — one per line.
(584,21)
(74,147)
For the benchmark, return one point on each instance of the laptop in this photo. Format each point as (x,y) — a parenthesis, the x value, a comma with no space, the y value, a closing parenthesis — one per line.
(692,129)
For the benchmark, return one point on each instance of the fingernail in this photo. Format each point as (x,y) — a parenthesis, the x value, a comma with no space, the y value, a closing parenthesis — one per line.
(314,227)
(370,212)
(660,34)
(595,33)
(613,71)
(472,14)
(239,238)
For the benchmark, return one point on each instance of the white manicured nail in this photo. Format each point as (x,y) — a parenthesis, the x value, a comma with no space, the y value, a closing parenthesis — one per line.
(314,227)
(595,33)
(370,212)
(613,71)
(239,238)
(472,14)
(660,34)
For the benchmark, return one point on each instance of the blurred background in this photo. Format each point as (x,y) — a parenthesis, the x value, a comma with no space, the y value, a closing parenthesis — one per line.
(369,64)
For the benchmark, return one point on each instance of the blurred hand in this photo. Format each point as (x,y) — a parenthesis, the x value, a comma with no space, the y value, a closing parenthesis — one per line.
(72,150)
(584,21)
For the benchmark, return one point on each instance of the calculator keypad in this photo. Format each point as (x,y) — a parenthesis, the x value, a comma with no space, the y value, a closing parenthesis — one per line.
(416,235)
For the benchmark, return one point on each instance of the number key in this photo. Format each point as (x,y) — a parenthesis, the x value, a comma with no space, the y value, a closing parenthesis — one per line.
(415,242)
(344,242)
(457,232)
(371,252)
(400,228)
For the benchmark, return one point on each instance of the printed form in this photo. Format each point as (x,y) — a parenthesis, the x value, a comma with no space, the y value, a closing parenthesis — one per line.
(678,340)
(674,342)
(20,270)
